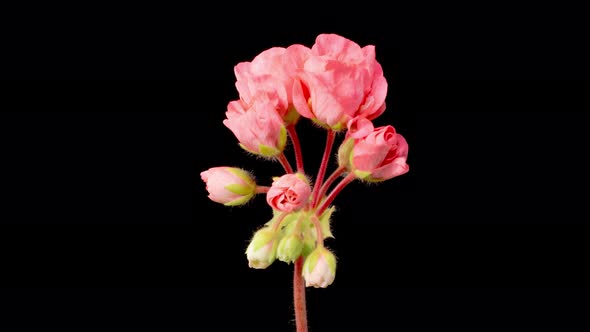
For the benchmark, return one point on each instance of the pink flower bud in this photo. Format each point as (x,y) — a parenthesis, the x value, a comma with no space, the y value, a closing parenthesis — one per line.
(319,268)
(259,128)
(228,185)
(340,81)
(289,192)
(380,156)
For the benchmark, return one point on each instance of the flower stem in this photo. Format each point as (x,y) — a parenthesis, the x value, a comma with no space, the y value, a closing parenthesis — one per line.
(318,229)
(323,166)
(299,296)
(262,189)
(297,147)
(348,179)
(329,181)
(283,160)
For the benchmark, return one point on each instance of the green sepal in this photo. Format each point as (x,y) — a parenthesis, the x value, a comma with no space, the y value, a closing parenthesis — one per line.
(282,139)
(363,175)
(312,259)
(239,189)
(239,201)
(244,175)
(292,116)
(345,152)
(325,223)
(267,151)
(330,259)
(262,237)
(289,248)
(245,148)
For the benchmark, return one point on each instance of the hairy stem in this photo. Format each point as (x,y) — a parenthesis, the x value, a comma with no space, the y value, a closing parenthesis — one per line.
(299,296)
(285,163)
(262,189)
(297,147)
(323,167)
(329,181)
(343,183)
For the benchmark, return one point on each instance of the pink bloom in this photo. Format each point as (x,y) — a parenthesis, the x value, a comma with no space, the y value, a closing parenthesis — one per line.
(288,193)
(319,269)
(271,74)
(340,81)
(359,127)
(381,155)
(229,185)
(258,128)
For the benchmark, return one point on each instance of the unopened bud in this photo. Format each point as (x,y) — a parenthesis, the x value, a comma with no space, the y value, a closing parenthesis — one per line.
(262,250)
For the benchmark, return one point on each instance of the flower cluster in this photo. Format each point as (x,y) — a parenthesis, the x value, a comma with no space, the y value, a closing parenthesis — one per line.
(340,87)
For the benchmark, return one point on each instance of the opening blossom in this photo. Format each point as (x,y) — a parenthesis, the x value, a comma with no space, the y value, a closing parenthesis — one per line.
(289,192)
(338,85)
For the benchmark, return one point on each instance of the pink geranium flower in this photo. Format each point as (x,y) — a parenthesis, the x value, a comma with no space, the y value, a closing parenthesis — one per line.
(340,81)
(271,75)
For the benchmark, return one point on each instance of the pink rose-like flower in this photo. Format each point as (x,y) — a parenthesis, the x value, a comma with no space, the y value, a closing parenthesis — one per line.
(271,74)
(381,155)
(229,185)
(258,128)
(340,81)
(288,193)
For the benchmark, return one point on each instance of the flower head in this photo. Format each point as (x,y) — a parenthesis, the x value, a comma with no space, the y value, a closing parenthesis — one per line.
(340,81)
(271,75)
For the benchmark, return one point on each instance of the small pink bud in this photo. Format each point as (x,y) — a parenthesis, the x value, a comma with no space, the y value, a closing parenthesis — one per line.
(288,193)
(229,185)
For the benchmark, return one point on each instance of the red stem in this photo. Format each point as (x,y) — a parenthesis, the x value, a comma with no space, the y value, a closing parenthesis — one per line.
(283,160)
(299,297)
(297,147)
(262,189)
(348,179)
(330,180)
(323,166)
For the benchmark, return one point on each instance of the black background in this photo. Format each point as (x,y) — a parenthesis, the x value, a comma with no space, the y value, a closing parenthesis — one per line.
(110,115)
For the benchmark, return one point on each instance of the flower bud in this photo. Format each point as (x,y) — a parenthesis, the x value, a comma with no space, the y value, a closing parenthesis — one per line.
(379,156)
(288,193)
(258,127)
(319,269)
(262,250)
(290,248)
(229,185)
